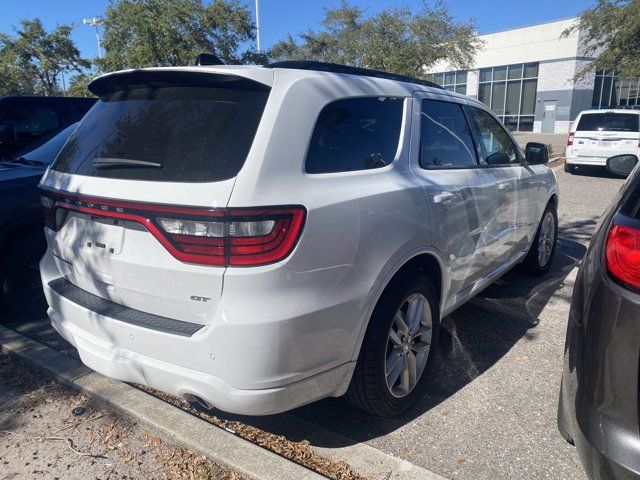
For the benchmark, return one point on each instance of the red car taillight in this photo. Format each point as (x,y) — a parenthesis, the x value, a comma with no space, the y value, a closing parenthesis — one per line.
(570,139)
(623,255)
(223,237)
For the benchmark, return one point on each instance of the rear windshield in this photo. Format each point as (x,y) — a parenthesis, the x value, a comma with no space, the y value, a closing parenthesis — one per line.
(166,134)
(609,122)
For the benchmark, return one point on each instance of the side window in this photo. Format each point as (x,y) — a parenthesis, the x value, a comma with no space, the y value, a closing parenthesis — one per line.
(76,112)
(499,148)
(31,119)
(355,134)
(445,136)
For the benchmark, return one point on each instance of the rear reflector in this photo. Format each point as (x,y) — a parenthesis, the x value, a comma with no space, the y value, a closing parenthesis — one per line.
(223,237)
(570,139)
(623,255)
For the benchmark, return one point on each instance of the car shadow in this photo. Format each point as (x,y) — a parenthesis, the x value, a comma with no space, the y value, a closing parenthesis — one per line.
(472,340)
(595,171)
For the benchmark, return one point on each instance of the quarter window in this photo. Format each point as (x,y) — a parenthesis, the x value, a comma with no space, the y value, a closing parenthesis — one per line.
(499,148)
(445,136)
(355,134)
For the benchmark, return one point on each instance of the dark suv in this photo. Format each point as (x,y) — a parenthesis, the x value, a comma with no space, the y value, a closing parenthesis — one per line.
(28,122)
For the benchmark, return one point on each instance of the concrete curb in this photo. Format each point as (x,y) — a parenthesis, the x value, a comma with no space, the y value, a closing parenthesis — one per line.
(364,459)
(224,448)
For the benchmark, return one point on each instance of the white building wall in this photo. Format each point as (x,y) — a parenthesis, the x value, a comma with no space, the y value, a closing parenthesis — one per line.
(536,43)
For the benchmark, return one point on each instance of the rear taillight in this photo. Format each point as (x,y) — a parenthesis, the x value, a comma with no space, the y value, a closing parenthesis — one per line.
(223,237)
(570,139)
(623,255)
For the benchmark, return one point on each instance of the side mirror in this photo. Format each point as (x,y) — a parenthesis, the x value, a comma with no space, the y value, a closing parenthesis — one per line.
(621,164)
(536,153)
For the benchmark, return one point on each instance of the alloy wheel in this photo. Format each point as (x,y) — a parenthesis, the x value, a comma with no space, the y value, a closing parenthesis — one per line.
(408,345)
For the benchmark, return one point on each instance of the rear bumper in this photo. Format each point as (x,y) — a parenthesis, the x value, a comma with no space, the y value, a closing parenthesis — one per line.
(578,160)
(119,363)
(258,363)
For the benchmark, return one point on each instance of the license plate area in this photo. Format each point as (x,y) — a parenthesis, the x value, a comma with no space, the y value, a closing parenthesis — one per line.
(90,234)
(603,143)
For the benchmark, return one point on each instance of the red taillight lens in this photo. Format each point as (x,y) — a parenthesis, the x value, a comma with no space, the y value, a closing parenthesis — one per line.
(230,236)
(570,139)
(623,255)
(261,237)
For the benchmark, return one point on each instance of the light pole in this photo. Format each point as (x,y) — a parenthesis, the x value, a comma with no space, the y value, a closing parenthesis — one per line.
(95,22)
(258,25)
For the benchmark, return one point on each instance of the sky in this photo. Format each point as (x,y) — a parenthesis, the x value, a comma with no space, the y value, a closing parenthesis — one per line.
(280,17)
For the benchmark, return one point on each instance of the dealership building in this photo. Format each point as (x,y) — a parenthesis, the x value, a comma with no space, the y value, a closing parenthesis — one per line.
(526,75)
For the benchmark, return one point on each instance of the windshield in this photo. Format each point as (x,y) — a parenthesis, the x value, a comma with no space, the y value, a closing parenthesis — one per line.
(171,134)
(47,152)
(609,122)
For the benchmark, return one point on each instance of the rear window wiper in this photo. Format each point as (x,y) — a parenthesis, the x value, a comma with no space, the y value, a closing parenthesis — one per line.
(120,162)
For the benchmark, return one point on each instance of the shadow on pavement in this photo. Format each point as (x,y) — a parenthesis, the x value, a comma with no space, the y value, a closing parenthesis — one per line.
(472,339)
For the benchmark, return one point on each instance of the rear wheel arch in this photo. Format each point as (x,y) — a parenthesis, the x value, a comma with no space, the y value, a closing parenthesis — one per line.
(426,263)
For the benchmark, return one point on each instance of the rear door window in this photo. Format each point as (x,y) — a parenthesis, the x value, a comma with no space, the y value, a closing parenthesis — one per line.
(355,134)
(609,122)
(445,136)
(166,134)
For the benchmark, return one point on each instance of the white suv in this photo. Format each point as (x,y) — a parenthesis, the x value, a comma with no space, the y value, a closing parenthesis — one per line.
(258,238)
(600,134)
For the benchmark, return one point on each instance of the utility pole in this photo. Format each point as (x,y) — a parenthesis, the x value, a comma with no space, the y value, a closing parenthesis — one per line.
(258,25)
(96,22)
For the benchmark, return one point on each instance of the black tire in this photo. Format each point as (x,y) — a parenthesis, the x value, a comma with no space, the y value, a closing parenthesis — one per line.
(21,286)
(368,389)
(532,262)
(569,168)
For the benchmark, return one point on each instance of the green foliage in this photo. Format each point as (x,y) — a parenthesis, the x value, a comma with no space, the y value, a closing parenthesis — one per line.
(32,60)
(153,33)
(396,39)
(78,85)
(611,31)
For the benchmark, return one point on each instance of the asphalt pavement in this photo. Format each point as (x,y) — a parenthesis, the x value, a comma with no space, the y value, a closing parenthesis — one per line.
(490,412)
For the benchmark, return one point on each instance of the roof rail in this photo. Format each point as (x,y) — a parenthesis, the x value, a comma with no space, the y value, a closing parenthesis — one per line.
(337,68)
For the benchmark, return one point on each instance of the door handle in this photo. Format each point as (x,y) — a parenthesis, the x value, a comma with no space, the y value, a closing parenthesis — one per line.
(444,197)
(504,186)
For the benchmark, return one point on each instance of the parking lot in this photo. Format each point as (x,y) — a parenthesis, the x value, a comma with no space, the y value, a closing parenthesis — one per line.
(491,410)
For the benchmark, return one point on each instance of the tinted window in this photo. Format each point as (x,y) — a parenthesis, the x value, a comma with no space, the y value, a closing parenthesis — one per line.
(498,147)
(445,138)
(24,124)
(609,122)
(177,134)
(355,134)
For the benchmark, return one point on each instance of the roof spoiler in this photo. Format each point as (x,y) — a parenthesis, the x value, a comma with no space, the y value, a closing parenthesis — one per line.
(156,78)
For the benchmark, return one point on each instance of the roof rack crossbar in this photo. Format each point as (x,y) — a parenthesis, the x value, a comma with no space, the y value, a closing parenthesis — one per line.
(337,68)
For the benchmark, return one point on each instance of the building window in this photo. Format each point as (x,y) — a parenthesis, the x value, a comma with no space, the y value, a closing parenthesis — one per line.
(452,81)
(609,91)
(510,91)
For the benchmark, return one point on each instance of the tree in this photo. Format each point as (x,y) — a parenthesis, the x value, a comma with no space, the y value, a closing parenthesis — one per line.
(153,33)
(610,31)
(78,84)
(395,39)
(33,59)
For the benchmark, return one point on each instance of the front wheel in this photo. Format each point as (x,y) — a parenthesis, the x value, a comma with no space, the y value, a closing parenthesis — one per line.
(397,349)
(538,260)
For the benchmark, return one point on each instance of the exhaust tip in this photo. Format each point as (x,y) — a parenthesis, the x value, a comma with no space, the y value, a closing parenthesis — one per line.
(198,402)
